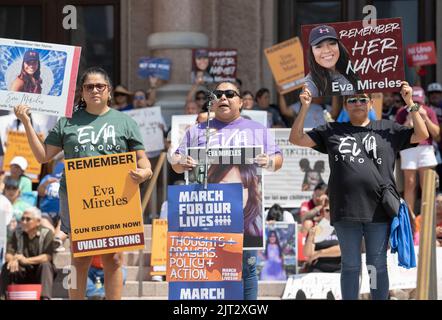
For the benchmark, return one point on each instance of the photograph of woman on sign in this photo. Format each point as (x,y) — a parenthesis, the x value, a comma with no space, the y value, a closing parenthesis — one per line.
(29,79)
(274,262)
(327,61)
(246,174)
(201,67)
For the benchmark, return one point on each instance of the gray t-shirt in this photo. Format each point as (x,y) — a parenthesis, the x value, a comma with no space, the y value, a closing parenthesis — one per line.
(340,81)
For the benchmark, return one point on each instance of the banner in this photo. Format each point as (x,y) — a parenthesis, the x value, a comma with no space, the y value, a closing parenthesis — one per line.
(40,75)
(355,58)
(18,145)
(255,115)
(149,120)
(158,258)
(214,65)
(205,242)
(279,258)
(104,204)
(154,67)
(286,62)
(302,170)
(421,54)
(179,126)
(235,165)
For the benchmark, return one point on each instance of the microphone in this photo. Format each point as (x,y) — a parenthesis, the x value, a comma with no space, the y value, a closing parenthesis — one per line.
(211,96)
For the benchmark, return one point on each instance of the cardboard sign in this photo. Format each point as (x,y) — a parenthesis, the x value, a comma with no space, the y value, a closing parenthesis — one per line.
(158,258)
(421,54)
(361,60)
(104,204)
(18,145)
(214,65)
(149,120)
(53,69)
(205,242)
(154,67)
(179,126)
(315,285)
(286,62)
(255,115)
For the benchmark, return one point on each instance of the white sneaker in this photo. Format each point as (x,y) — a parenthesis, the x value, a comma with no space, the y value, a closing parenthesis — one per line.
(157,278)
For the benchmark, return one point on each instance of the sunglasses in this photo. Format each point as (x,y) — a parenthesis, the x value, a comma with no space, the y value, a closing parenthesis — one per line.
(139,98)
(363,100)
(228,93)
(90,87)
(27,219)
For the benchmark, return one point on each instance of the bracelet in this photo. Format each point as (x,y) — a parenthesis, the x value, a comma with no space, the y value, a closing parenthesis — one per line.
(413,108)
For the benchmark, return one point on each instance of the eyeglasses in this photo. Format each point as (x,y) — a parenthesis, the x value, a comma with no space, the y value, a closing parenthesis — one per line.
(363,100)
(90,87)
(27,219)
(139,98)
(228,93)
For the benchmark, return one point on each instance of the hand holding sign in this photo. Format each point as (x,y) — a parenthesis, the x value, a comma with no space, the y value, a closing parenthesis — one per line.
(305,97)
(139,175)
(407,93)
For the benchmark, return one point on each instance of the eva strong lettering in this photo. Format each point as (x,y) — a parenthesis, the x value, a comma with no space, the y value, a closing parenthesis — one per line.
(100,162)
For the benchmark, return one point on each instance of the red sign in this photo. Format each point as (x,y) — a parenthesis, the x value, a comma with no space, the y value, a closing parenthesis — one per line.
(421,54)
(345,58)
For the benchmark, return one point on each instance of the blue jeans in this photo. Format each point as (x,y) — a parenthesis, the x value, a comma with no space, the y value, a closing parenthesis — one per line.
(376,237)
(249,276)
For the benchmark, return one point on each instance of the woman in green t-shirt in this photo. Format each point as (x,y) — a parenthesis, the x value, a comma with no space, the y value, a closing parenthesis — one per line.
(94,129)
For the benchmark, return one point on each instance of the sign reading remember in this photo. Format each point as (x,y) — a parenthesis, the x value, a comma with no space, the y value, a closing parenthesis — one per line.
(104,204)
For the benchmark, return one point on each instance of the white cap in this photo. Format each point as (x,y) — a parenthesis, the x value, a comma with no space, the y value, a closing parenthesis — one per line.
(20,161)
(434,87)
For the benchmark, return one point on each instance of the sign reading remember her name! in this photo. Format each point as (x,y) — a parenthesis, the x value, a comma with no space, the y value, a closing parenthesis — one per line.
(104,204)
(375,56)
(54,68)
(149,121)
(302,170)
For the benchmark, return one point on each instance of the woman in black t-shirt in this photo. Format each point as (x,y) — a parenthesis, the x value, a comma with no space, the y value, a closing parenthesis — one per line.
(362,154)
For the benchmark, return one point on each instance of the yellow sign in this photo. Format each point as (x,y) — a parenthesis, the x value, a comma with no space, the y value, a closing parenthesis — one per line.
(286,60)
(17,145)
(104,204)
(158,259)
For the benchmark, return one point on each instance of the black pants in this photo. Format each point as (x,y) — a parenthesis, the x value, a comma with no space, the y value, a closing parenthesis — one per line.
(43,274)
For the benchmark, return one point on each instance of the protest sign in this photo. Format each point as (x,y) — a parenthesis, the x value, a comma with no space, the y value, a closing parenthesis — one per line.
(104,204)
(421,54)
(205,242)
(255,115)
(286,62)
(154,67)
(179,126)
(53,69)
(235,165)
(314,285)
(278,260)
(302,170)
(356,59)
(214,65)
(158,258)
(150,122)
(18,145)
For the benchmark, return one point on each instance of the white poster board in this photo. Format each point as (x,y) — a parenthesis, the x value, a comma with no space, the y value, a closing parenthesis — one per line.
(179,126)
(150,122)
(302,169)
(256,115)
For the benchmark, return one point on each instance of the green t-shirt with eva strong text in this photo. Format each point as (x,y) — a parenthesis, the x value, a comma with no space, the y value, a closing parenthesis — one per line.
(89,135)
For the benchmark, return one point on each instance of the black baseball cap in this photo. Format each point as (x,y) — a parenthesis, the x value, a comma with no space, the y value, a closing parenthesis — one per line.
(31,55)
(320,33)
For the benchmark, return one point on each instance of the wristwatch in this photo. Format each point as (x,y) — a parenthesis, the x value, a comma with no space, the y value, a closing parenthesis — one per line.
(413,108)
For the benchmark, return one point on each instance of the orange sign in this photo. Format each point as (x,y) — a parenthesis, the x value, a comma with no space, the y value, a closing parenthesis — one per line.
(158,259)
(204,256)
(286,60)
(17,145)
(104,204)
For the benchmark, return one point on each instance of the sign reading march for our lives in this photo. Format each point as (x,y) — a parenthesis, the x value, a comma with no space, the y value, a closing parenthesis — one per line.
(154,67)
(104,204)
(345,58)
(40,75)
(205,240)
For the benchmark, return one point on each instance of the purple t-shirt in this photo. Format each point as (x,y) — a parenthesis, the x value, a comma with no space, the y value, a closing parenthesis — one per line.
(239,133)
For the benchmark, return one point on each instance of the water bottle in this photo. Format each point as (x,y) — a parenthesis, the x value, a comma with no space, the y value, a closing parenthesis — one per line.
(98,284)
(327,116)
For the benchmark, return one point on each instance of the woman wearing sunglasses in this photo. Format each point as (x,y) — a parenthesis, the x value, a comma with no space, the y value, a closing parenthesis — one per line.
(231,130)
(362,155)
(95,129)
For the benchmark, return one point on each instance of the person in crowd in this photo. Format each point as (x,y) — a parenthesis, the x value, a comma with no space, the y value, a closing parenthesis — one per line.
(122,99)
(389,108)
(29,80)
(421,158)
(143,99)
(228,121)
(273,268)
(29,255)
(13,194)
(315,117)
(191,107)
(434,93)
(18,167)
(247,98)
(262,99)
(328,60)
(418,223)
(92,111)
(355,184)
(312,208)
(196,94)
(277,213)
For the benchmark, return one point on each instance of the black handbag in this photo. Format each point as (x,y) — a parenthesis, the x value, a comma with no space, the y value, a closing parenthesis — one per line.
(390,200)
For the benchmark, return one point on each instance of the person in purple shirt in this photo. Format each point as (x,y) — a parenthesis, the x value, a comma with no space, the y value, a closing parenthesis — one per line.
(229,129)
